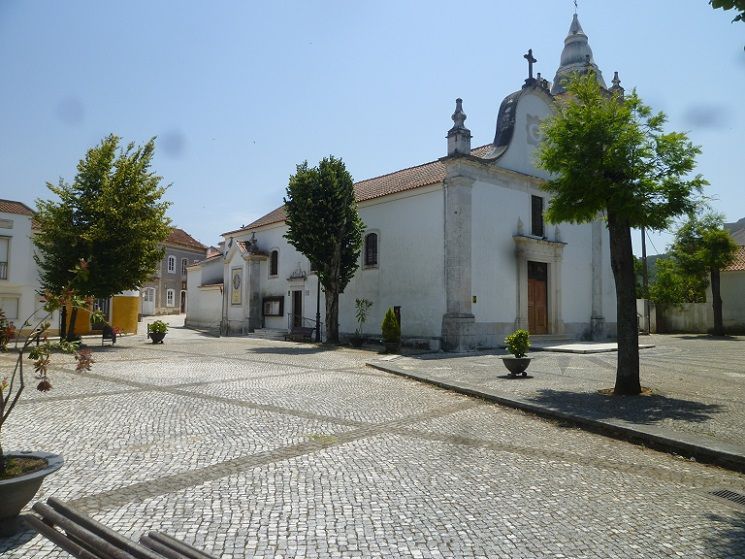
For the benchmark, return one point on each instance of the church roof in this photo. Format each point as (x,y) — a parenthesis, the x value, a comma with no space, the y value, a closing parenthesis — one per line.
(13,207)
(368,189)
(738,264)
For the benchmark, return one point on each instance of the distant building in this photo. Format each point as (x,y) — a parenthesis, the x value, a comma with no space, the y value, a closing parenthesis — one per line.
(19,275)
(166,292)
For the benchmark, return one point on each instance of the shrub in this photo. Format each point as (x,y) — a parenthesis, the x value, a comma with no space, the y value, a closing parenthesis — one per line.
(391,329)
(157,327)
(518,343)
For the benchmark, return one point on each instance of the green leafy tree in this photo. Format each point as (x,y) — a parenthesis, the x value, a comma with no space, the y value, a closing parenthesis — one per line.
(701,249)
(737,5)
(671,287)
(111,217)
(323,224)
(608,156)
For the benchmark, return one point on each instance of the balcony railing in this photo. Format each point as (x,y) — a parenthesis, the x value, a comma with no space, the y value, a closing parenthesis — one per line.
(3,270)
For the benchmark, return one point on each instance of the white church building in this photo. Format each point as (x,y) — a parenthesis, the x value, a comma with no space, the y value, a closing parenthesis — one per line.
(458,244)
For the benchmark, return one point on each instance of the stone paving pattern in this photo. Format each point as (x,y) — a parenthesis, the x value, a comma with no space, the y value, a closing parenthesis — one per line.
(698,383)
(255,448)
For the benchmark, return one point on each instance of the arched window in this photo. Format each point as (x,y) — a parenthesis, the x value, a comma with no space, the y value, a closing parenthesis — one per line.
(371,249)
(274,263)
(171,264)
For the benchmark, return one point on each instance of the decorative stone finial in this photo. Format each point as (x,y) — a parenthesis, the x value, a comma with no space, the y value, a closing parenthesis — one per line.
(459,117)
(459,137)
(616,87)
(557,234)
(520,227)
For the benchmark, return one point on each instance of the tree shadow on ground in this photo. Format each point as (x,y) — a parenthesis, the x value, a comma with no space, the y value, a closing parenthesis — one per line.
(445,355)
(725,338)
(310,350)
(645,410)
(729,541)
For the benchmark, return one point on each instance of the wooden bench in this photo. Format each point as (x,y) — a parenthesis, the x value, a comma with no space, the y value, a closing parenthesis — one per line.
(300,334)
(83,537)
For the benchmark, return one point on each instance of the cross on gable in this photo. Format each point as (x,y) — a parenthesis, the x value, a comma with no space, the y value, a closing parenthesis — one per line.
(531,60)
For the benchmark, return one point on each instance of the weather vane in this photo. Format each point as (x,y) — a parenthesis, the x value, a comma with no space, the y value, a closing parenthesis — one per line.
(575,7)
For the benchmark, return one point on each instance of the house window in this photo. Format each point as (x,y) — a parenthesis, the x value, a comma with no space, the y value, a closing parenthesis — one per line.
(274,263)
(4,250)
(184,264)
(536,216)
(170,298)
(371,249)
(9,306)
(171,264)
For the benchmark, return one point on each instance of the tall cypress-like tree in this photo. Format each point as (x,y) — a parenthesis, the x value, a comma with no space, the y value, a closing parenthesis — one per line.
(323,224)
(111,216)
(608,156)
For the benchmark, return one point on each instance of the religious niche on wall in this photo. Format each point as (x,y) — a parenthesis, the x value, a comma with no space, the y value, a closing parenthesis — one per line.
(273,306)
(236,280)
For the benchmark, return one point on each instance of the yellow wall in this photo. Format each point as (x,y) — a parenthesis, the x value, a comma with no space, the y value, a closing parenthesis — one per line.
(124,312)
(82,321)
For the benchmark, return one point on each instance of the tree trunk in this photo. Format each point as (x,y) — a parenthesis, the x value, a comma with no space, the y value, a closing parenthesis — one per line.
(2,459)
(63,323)
(332,314)
(716,303)
(622,263)
(71,329)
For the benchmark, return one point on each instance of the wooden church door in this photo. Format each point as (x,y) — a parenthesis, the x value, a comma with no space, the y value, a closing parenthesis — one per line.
(538,297)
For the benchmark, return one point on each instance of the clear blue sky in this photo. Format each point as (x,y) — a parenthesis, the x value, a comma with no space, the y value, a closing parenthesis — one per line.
(239,92)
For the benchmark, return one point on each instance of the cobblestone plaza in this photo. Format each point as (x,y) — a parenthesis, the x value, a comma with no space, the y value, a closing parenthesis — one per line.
(254,448)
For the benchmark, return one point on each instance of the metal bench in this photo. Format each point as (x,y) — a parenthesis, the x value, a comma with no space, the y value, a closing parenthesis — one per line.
(108,333)
(83,537)
(300,334)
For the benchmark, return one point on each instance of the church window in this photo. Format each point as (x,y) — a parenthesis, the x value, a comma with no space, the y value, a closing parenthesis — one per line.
(536,221)
(184,264)
(171,264)
(371,249)
(274,263)
(170,298)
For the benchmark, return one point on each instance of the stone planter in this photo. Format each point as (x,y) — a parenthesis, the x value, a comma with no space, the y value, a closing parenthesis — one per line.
(392,347)
(156,337)
(516,365)
(16,492)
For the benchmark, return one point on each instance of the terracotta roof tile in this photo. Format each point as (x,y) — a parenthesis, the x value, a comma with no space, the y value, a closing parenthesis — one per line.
(182,238)
(738,264)
(12,207)
(368,189)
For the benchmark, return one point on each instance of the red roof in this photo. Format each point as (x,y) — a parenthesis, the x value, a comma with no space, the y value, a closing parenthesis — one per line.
(738,264)
(12,207)
(398,181)
(182,238)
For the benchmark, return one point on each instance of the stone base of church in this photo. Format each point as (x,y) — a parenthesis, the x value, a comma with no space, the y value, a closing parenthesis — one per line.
(458,332)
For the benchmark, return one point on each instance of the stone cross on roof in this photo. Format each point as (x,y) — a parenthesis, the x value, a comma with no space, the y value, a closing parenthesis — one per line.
(529,57)
(531,60)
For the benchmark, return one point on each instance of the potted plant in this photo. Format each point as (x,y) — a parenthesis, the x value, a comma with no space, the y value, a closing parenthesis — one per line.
(156,331)
(517,344)
(22,471)
(361,307)
(391,332)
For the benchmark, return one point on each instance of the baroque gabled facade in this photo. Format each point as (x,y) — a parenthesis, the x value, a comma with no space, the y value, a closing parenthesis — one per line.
(457,245)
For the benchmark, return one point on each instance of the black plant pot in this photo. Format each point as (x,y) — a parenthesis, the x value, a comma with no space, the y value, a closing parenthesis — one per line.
(16,492)
(392,347)
(516,365)
(356,341)
(156,337)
